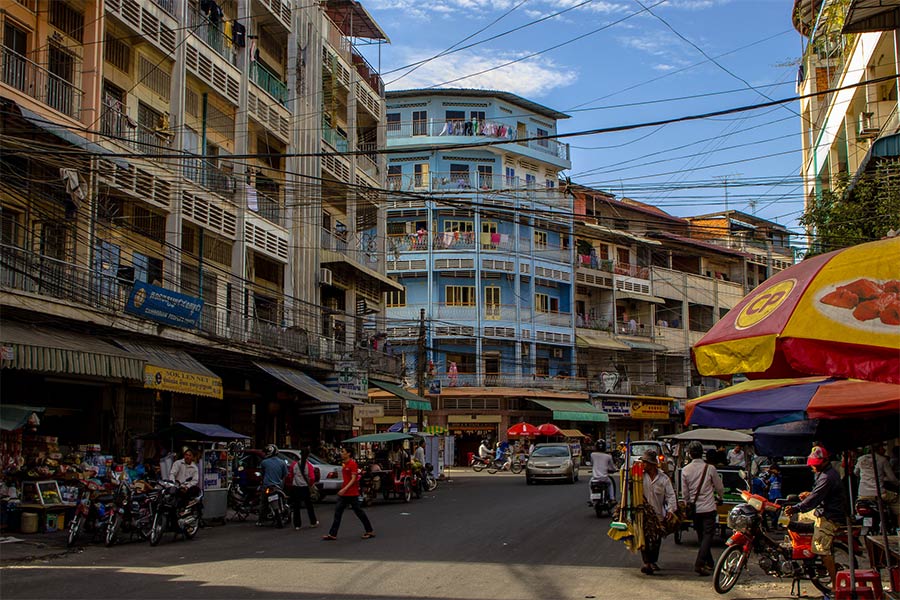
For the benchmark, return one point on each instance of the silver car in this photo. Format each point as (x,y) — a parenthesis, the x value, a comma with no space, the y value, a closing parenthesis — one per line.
(551,461)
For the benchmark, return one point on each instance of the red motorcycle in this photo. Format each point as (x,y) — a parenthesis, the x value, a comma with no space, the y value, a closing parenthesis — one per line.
(791,558)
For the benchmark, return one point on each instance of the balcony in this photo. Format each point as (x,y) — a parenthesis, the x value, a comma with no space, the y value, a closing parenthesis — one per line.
(211,34)
(32,273)
(513,380)
(206,174)
(554,253)
(335,139)
(126,131)
(368,162)
(497,190)
(270,83)
(166,5)
(358,247)
(555,319)
(367,73)
(39,83)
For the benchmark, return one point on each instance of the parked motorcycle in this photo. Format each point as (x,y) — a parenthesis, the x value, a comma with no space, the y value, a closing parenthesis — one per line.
(793,558)
(429,482)
(173,511)
(243,502)
(602,504)
(867,516)
(131,511)
(277,504)
(92,509)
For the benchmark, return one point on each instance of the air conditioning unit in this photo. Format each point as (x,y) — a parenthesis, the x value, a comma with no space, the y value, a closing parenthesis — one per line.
(557,353)
(866,125)
(325,276)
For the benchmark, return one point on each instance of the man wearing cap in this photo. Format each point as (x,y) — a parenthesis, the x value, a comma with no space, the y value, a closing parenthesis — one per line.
(660,497)
(827,498)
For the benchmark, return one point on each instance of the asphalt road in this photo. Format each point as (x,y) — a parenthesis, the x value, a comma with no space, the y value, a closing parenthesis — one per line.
(478,536)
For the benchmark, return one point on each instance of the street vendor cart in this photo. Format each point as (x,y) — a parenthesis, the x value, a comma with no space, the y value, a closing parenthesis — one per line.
(214,461)
(733,479)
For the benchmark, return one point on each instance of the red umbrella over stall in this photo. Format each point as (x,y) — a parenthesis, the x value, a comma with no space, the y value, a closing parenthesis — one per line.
(520,430)
(548,429)
(837,314)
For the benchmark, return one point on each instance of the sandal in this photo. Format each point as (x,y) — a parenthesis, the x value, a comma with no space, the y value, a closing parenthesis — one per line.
(368,535)
(328,538)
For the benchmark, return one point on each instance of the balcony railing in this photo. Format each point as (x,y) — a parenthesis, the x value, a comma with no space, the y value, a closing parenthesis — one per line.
(368,162)
(493,189)
(367,72)
(210,33)
(39,83)
(554,253)
(271,83)
(21,270)
(470,240)
(337,140)
(476,128)
(208,175)
(630,270)
(359,247)
(127,131)
(556,319)
(512,380)
(166,5)
(586,261)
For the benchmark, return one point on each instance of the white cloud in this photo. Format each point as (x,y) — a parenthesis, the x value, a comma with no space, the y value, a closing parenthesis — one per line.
(664,67)
(530,78)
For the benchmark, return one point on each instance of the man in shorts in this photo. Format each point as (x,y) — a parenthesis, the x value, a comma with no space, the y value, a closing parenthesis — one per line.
(827,498)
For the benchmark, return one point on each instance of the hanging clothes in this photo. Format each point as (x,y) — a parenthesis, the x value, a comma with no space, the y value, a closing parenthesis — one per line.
(227,29)
(239,34)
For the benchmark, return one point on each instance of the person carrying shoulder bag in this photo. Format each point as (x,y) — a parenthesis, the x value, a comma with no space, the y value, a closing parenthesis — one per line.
(700,481)
(301,477)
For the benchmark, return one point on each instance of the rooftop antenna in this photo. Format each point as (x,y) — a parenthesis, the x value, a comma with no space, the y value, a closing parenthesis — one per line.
(724,179)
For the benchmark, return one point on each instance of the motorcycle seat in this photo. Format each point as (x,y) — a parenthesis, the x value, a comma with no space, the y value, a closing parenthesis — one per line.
(801,526)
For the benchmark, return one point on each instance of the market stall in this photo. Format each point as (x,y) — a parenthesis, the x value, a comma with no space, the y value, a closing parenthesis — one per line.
(214,460)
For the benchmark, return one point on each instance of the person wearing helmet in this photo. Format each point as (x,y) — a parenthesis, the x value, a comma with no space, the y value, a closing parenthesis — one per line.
(827,499)
(484,451)
(602,468)
(274,470)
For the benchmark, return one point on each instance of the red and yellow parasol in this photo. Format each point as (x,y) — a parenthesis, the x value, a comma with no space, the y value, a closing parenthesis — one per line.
(837,314)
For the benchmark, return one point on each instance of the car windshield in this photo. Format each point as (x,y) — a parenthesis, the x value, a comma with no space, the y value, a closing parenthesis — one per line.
(551,452)
(637,450)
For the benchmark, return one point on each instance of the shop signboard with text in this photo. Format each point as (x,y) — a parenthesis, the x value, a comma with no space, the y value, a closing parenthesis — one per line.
(183,382)
(352,381)
(616,408)
(650,409)
(164,306)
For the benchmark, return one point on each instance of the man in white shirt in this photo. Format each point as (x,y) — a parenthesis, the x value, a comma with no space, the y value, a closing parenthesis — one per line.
(866,474)
(602,467)
(660,497)
(419,454)
(185,472)
(736,457)
(700,480)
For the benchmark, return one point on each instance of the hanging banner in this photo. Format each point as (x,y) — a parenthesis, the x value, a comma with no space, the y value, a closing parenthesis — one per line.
(164,306)
(183,382)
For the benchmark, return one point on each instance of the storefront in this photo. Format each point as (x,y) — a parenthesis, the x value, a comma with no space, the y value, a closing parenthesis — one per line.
(469,430)
(636,417)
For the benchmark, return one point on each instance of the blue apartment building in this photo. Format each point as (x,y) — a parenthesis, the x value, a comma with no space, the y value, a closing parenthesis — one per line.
(481,237)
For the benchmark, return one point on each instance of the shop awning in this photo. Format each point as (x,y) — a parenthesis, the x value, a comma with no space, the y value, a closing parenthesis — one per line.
(174,370)
(632,296)
(412,401)
(183,430)
(30,348)
(598,340)
(306,385)
(573,411)
(571,433)
(14,416)
(644,345)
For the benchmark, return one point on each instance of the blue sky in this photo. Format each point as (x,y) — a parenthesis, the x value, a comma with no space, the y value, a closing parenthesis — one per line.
(633,70)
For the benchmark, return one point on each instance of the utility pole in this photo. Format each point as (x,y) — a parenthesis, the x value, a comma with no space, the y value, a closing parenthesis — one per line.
(420,364)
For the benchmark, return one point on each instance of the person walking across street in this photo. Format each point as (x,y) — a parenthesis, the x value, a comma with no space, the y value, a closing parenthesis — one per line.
(827,498)
(701,486)
(348,495)
(301,477)
(661,505)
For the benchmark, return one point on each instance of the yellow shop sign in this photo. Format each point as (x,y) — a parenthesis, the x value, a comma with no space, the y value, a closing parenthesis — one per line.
(650,409)
(183,382)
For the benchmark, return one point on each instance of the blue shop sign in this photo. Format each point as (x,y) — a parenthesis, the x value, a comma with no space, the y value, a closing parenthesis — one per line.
(164,306)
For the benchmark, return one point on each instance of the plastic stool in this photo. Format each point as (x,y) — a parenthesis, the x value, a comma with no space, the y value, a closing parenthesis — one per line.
(868,585)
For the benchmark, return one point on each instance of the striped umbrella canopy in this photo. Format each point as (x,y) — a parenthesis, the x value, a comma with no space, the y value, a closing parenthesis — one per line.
(837,315)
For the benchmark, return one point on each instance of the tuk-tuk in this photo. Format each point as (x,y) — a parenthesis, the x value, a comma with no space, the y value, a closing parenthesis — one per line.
(733,478)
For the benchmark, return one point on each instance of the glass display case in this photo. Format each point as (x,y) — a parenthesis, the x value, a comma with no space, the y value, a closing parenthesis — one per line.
(45,493)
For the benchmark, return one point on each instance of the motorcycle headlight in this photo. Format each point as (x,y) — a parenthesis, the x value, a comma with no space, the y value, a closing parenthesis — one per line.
(743,518)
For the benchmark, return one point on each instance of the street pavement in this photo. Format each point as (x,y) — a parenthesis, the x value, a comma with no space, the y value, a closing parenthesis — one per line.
(478,536)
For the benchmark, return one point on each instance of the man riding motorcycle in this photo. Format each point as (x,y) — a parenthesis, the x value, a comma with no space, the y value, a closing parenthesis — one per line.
(274,470)
(484,451)
(602,466)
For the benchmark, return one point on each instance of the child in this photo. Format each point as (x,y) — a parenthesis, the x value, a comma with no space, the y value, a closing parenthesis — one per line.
(774,477)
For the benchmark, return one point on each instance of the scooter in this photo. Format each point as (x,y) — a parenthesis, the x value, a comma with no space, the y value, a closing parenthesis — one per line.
(867,515)
(277,504)
(241,501)
(600,501)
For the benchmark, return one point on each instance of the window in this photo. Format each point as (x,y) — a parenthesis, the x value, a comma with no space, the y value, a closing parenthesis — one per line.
(118,53)
(459,176)
(460,295)
(460,226)
(492,303)
(488,227)
(477,115)
(540,239)
(622,255)
(421,175)
(61,95)
(149,223)
(67,19)
(393,122)
(266,308)
(510,176)
(485,177)
(542,367)
(550,184)
(14,69)
(543,133)
(420,122)
(112,120)
(530,181)
(147,268)
(9,228)
(545,303)
(395,299)
(395,177)
(456,115)
(465,363)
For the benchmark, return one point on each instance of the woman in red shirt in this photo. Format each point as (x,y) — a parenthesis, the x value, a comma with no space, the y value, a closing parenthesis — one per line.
(348,495)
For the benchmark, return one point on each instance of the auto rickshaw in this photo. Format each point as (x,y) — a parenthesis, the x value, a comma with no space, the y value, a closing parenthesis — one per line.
(390,480)
(733,478)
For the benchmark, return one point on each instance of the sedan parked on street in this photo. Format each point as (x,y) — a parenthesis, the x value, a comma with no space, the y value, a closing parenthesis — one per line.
(551,461)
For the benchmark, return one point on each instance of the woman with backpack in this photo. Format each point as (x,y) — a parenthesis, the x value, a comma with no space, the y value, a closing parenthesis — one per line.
(301,477)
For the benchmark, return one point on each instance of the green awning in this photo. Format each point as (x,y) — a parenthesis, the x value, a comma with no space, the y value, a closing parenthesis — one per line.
(412,401)
(46,350)
(573,410)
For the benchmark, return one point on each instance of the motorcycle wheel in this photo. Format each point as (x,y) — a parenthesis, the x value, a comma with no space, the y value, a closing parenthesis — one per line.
(728,569)
(493,468)
(74,530)
(598,509)
(478,466)
(158,528)
(112,528)
(430,483)
(190,532)
(516,467)
(407,490)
